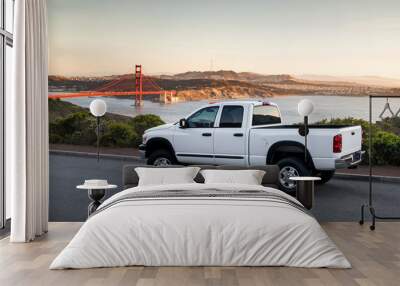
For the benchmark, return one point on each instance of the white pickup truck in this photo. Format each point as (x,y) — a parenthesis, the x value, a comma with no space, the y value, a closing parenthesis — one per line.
(250,133)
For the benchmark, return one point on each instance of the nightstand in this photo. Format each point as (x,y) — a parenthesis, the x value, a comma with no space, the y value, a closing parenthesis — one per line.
(96,190)
(305,190)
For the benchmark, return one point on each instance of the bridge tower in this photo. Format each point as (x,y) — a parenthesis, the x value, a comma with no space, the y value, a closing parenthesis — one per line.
(138,85)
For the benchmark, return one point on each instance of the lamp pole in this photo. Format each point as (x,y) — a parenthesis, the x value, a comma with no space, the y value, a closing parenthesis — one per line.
(305,108)
(98,108)
(305,138)
(98,138)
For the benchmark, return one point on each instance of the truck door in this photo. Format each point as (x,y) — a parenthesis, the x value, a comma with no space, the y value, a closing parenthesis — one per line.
(230,137)
(194,144)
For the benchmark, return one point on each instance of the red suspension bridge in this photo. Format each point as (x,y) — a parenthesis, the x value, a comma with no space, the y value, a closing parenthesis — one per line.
(143,86)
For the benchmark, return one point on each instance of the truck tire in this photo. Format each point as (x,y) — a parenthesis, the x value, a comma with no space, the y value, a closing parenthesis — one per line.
(161,158)
(291,167)
(325,176)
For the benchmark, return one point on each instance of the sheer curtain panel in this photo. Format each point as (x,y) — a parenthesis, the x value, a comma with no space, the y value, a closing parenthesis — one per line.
(27,124)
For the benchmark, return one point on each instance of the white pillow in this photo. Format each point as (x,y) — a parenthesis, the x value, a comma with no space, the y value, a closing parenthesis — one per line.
(166,176)
(248,177)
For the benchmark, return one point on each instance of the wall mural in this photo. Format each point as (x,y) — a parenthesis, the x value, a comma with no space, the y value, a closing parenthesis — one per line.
(155,62)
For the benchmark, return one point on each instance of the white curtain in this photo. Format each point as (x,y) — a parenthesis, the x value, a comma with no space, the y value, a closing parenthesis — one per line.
(27,124)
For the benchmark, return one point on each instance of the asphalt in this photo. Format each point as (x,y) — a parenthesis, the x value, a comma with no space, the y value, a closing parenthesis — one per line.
(338,200)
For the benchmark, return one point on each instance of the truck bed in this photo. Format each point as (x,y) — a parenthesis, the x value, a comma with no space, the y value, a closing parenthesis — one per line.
(320,142)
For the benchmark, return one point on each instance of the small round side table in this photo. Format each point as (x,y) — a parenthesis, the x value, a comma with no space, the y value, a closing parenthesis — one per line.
(95,194)
(305,190)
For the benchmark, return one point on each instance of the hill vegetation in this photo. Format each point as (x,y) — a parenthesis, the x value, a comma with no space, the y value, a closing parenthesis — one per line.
(385,139)
(71,124)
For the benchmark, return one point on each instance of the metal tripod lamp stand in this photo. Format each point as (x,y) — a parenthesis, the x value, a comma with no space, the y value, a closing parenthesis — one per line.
(98,108)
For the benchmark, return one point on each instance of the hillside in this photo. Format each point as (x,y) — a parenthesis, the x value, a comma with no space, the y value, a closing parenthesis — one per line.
(188,89)
(61,109)
(364,80)
(73,125)
(195,85)
(230,75)
(61,83)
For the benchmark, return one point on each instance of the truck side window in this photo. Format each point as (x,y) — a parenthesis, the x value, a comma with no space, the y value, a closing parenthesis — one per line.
(204,118)
(266,114)
(231,117)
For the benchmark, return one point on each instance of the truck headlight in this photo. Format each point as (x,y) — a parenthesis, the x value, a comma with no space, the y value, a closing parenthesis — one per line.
(144,138)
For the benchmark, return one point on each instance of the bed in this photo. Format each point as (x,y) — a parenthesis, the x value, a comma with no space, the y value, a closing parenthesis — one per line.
(198,224)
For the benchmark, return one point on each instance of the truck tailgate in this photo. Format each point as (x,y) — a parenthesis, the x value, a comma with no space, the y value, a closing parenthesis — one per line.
(351,139)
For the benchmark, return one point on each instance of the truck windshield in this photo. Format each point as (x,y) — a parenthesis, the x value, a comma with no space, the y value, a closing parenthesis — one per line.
(266,114)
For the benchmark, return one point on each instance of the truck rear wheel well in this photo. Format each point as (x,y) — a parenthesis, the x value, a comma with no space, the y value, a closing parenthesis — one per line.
(286,149)
(158,144)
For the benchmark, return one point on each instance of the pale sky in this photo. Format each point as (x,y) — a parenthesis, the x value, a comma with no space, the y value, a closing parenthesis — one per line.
(340,37)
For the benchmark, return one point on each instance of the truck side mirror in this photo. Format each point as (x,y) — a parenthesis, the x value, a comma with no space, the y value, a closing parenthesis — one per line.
(183,123)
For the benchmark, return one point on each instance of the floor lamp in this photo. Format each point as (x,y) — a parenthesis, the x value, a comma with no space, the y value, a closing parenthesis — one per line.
(305,108)
(98,108)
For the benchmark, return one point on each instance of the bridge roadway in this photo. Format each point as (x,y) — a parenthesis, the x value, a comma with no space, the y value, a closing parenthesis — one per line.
(107,93)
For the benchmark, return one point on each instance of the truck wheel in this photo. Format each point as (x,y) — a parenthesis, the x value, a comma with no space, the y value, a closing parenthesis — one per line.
(291,167)
(161,158)
(325,176)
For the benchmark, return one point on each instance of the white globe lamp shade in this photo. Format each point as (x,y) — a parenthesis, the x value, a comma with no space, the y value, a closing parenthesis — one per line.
(98,107)
(305,107)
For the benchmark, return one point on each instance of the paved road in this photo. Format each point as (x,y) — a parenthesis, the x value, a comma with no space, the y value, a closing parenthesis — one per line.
(339,200)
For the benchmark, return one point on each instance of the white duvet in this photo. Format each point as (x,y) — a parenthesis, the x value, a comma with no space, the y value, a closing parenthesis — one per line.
(200,231)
